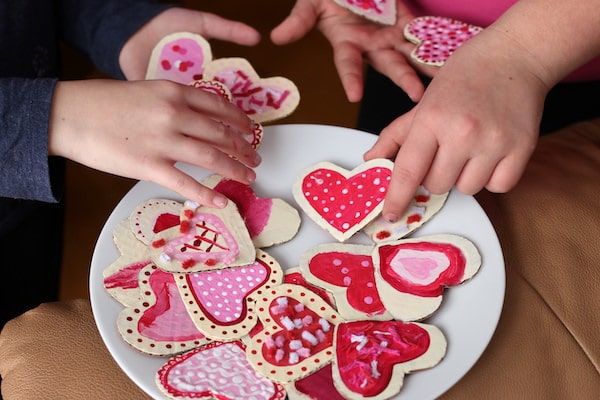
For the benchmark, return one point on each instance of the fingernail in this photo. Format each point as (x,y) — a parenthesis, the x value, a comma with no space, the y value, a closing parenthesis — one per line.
(250,177)
(220,201)
(391,218)
(257,158)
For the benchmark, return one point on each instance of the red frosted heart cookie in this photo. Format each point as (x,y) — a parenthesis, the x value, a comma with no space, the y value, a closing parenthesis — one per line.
(437,38)
(179,57)
(372,357)
(347,271)
(342,201)
(263,99)
(413,273)
(218,370)
(380,11)
(297,334)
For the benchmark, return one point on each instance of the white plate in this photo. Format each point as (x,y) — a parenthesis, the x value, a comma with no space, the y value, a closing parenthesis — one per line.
(468,315)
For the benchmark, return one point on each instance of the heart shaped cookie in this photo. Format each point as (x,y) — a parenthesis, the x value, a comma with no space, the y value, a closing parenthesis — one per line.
(318,385)
(159,324)
(421,209)
(347,272)
(179,57)
(218,370)
(205,239)
(297,335)
(413,273)
(372,357)
(437,38)
(380,11)
(221,302)
(263,99)
(341,201)
(269,221)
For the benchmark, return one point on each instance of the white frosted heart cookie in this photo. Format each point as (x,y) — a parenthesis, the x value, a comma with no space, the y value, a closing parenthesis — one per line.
(380,11)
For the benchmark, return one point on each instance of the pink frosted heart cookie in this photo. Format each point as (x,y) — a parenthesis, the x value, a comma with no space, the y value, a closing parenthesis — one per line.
(372,357)
(297,334)
(269,221)
(221,302)
(218,370)
(413,273)
(263,99)
(421,209)
(179,57)
(340,201)
(346,271)
(159,323)
(437,38)
(205,239)
(380,11)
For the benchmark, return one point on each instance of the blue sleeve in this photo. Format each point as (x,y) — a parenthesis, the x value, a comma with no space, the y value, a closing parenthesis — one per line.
(100,28)
(26,170)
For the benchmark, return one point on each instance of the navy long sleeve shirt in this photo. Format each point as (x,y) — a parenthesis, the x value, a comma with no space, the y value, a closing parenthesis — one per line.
(30,33)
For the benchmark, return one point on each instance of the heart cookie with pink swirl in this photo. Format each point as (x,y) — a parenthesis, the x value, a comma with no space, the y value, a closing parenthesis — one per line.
(229,377)
(342,201)
(179,57)
(413,273)
(437,38)
(263,99)
(380,11)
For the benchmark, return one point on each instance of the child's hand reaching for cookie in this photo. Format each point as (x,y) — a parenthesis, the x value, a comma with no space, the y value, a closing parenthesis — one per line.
(141,129)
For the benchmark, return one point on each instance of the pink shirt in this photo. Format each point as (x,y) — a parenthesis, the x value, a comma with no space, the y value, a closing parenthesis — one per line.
(483,13)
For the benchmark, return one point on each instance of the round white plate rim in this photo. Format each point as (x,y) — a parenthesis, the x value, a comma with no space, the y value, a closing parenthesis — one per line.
(465,343)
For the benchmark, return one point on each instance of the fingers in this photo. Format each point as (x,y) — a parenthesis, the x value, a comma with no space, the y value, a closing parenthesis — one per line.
(216,27)
(301,20)
(391,138)
(393,64)
(349,64)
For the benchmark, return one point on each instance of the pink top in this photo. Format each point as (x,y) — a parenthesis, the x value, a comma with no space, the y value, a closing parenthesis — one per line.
(483,13)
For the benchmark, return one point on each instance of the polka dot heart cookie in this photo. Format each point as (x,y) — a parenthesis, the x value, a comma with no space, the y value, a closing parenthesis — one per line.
(341,201)
(437,38)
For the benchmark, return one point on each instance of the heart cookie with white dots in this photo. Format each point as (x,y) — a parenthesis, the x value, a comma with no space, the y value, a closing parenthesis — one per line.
(263,99)
(380,11)
(341,201)
(437,38)
(221,303)
(179,57)
(219,370)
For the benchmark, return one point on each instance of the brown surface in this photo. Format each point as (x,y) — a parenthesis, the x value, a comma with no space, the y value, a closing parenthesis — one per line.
(91,195)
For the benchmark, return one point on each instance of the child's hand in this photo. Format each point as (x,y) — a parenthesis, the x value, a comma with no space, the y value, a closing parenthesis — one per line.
(136,52)
(475,127)
(141,129)
(355,39)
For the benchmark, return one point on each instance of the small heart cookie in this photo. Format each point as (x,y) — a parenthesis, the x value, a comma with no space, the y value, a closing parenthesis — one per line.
(380,11)
(437,38)
(179,57)
(263,99)
(341,201)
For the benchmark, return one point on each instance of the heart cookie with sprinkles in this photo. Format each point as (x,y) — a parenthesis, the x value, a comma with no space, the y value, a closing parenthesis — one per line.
(179,57)
(380,11)
(413,273)
(229,375)
(297,334)
(372,357)
(263,99)
(341,201)
(221,303)
(437,38)
(159,323)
